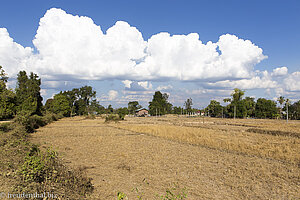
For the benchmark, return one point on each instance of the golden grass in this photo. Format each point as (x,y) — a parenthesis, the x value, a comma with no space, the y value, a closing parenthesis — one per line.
(234,163)
(275,147)
(232,138)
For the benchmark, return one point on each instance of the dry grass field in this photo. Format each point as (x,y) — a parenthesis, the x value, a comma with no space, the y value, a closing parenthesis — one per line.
(217,159)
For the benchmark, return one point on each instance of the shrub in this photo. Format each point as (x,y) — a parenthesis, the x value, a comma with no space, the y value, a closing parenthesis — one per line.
(91,116)
(5,127)
(112,117)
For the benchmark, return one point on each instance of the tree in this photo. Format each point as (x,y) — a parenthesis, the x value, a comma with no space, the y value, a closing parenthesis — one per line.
(188,105)
(159,104)
(236,108)
(96,107)
(215,109)
(281,100)
(295,110)
(177,110)
(122,112)
(7,98)
(249,104)
(109,109)
(28,97)
(133,106)
(265,108)
(60,105)
(3,80)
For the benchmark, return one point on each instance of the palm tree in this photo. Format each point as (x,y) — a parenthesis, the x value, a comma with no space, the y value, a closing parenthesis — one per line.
(281,100)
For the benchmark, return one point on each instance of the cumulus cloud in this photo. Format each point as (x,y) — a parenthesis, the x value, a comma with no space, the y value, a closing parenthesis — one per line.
(112,94)
(280,71)
(164,87)
(292,82)
(261,80)
(13,56)
(137,85)
(74,47)
(127,83)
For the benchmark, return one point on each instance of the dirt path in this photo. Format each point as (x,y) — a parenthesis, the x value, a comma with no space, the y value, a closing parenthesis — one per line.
(120,160)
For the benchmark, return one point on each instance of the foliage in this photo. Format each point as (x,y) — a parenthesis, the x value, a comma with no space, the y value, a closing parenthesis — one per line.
(215,109)
(31,123)
(133,106)
(113,117)
(294,110)
(159,104)
(96,108)
(177,110)
(60,105)
(265,108)
(7,98)
(121,196)
(174,193)
(249,104)
(109,109)
(122,112)
(188,104)
(28,97)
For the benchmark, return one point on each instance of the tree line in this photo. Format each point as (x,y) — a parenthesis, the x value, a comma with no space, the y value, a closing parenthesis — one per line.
(26,99)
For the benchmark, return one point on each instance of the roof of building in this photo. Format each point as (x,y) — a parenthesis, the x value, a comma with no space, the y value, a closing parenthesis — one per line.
(141,109)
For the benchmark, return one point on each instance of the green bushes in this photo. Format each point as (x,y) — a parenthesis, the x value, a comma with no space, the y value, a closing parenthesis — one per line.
(113,118)
(35,121)
(29,169)
(5,127)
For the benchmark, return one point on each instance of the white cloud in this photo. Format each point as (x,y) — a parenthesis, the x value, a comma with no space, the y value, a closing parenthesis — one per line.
(292,82)
(13,56)
(280,71)
(164,87)
(112,94)
(137,85)
(262,80)
(74,47)
(127,83)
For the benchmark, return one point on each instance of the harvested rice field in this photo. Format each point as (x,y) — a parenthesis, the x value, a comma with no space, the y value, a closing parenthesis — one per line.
(211,158)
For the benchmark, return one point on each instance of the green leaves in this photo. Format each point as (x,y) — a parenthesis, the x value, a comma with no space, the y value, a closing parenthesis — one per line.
(159,104)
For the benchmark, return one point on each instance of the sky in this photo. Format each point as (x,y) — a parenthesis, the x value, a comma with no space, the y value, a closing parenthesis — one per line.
(127,50)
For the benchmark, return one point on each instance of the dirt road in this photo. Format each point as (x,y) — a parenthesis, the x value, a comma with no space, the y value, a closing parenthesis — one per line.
(120,160)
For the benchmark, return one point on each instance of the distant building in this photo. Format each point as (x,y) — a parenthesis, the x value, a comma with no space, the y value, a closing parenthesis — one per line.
(143,112)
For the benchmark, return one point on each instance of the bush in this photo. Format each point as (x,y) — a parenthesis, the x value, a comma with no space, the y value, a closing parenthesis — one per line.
(35,121)
(45,171)
(91,116)
(5,127)
(112,117)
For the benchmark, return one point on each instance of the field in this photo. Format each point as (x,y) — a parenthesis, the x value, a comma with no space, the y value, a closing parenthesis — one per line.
(211,158)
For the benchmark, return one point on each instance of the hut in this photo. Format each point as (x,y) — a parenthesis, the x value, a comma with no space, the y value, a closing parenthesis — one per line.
(143,112)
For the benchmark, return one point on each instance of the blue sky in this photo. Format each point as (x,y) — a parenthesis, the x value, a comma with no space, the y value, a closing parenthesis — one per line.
(272,26)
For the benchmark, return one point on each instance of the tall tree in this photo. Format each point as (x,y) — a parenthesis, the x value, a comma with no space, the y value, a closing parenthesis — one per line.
(188,105)
(7,98)
(61,105)
(295,110)
(29,99)
(236,108)
(265,108)
(159,104)
(281,100)
(249,104)
(214,108)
